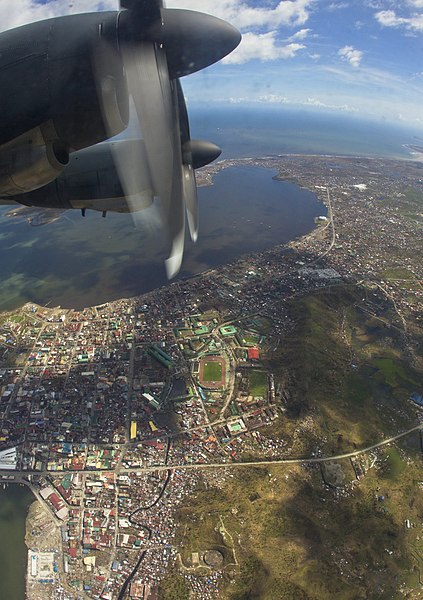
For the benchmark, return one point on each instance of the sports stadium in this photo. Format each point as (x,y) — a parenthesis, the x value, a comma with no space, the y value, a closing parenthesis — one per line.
(212,374)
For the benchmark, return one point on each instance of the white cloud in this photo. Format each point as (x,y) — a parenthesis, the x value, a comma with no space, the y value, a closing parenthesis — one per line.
(243,14)
(311,102)
(233,100)
(20,12)
(299,35)
(273,99)
(389,18)
(319,104)
(366,77)
(261,46)
(415,3)
(337,6)
(351,55)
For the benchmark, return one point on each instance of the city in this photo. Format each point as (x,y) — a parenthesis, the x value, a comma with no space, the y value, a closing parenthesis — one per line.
(114,415)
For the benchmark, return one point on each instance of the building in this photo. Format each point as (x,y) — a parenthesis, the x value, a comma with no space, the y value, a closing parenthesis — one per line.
(237,426)
(9,459)
(253,354)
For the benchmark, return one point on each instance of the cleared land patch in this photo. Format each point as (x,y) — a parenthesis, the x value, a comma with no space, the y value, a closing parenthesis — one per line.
(258,383)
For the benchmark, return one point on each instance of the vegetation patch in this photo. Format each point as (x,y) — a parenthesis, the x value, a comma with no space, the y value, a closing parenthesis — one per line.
(394,373)
(258,383)
(347,368)
(250,339)
(392,464)
(301,540)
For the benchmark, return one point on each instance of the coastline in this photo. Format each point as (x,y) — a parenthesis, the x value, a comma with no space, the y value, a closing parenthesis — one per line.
(136,260)
(38,519)
(38,515)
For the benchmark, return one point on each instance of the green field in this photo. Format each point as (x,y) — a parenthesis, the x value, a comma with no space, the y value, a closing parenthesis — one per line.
(250,339)
(212,372)
(258,383)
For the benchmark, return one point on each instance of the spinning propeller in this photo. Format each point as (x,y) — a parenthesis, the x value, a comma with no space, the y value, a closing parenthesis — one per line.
(157,46)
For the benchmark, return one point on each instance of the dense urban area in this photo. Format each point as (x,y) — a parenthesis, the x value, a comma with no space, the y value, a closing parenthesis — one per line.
(120,417)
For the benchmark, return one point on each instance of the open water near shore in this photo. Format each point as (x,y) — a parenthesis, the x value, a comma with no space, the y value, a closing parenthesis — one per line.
(15,501)
(77,262)
(243,130)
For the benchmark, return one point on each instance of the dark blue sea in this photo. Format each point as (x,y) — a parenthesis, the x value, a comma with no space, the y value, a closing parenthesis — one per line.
(256,130)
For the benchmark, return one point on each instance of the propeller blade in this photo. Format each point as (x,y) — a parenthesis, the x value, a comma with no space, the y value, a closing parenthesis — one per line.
(157,110)
(130,158)
(183,114)
(188,175)
(191,200)
(157,46)
(147,11)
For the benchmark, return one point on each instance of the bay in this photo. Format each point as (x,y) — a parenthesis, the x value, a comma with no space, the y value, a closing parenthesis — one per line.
(80,262)
(15,501)
(77,262)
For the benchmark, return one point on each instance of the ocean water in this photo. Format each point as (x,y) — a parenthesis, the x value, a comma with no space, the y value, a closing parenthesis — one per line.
(256,130)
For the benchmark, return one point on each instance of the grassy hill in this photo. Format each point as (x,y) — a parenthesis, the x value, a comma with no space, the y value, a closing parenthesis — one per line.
(347,372)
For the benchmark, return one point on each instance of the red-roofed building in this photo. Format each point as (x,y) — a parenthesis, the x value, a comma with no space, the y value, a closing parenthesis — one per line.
(54,499)
(253,354)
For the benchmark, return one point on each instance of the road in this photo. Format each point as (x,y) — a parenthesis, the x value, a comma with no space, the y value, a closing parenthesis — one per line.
(20,475)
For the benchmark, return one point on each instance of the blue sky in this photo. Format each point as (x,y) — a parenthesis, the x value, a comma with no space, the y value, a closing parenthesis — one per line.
(363,57)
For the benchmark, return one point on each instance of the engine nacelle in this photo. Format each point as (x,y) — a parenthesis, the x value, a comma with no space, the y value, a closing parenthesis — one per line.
(68,72)
(31,161)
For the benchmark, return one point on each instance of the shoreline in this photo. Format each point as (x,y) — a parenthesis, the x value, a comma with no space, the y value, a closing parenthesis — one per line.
(315,233)
(205,179)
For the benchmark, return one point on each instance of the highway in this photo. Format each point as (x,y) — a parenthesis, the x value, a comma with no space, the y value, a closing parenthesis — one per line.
(21,475)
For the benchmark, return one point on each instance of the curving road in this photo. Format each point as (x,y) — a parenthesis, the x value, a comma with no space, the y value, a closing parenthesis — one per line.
(19,475)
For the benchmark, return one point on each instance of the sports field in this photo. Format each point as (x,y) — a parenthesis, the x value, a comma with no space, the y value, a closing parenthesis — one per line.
(212,371)
(258,383)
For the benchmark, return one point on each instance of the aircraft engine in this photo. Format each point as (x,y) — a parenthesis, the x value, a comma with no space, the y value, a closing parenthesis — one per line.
(76,75)
(88,88)
(68,74)
(31,161)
